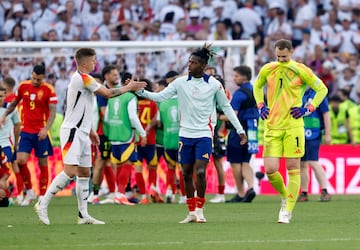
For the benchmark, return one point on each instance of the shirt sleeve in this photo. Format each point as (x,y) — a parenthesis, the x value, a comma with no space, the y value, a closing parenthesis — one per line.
(225,106)
(133,117)
(165,94)
(315,83)
(259,85)
(237,100)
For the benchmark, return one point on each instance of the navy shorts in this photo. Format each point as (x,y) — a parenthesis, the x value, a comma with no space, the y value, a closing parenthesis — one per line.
(123,153)
(29,141)
(10,154)
(171,156)
(159,150)
(235,152)
(148,153)
(191,149)
(312,148)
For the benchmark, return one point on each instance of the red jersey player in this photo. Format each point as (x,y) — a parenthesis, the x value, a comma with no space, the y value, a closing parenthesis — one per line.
(39,109)
(147,111)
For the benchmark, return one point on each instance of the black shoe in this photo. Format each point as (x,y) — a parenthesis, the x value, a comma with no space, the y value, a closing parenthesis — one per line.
(249,196)
(235,199)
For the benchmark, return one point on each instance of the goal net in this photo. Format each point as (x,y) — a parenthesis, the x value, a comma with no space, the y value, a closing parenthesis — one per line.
(151,59)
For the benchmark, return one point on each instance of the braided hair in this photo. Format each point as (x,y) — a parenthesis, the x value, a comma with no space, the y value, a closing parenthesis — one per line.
(205,53)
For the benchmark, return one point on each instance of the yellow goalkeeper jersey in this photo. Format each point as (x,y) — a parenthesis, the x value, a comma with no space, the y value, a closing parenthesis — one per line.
(286,83)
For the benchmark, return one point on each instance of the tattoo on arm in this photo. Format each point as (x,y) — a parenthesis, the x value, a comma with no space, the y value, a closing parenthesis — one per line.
(116,92)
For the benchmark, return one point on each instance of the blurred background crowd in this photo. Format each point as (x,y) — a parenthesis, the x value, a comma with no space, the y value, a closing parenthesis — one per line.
(325,35)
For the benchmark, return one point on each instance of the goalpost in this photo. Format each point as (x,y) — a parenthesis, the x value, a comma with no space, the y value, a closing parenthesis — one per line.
(237,52)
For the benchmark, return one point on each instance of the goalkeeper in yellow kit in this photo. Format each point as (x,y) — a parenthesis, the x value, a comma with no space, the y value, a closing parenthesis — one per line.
(286,82)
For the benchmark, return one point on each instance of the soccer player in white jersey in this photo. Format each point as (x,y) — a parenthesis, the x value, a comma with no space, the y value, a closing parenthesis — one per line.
(76,134)
(198,95)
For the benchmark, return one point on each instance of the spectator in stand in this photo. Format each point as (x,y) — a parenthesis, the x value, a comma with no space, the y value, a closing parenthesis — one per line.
(237,31)
(249,18)
(218,6)
(90,20)
(167,27)
(265,54)
(317,35)
(174,6)
(194,26)
(331,35)
(219,32)
(205,31)
(327,76)
(230,7)
(304,16)
(279,27)
(347,79)
(349,39)
(127,13)
(39,109)
(305,50)
(64,26)
(317,126)
(73,13)
(317,59)
(41,18)
(145,12)
(207,9)
(17,16)
(103,29)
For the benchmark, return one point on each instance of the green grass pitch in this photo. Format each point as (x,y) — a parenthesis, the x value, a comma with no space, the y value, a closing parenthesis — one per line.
(315,225)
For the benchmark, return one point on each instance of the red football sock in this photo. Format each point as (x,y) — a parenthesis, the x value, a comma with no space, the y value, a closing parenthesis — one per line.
(221,189)
(140,182)
(200,202)
(25,173)
(152,176)
(124,176)
(191,204)
(170,179)
(117,175)
(19,183)
(44,179)
(110,178)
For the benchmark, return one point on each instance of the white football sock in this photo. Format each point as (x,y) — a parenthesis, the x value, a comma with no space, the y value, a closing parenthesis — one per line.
(82,192)
(58,184)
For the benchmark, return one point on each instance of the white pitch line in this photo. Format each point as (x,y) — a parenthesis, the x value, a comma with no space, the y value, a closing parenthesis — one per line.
(171,243)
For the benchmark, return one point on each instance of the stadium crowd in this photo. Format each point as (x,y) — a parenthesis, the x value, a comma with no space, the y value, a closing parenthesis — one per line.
(325,36)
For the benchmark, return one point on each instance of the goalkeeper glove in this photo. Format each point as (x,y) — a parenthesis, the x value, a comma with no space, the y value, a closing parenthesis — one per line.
(297,112)
(263,111)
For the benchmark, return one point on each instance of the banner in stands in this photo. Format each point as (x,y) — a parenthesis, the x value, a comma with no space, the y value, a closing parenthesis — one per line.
(341,164)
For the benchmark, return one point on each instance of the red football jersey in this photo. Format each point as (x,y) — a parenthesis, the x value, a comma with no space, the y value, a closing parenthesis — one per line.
(36,101)
(147,111)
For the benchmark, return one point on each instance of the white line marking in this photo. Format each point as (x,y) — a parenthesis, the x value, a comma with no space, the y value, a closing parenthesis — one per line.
(170,243)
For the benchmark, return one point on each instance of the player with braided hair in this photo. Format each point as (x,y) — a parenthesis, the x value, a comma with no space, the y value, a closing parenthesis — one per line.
(198,95)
